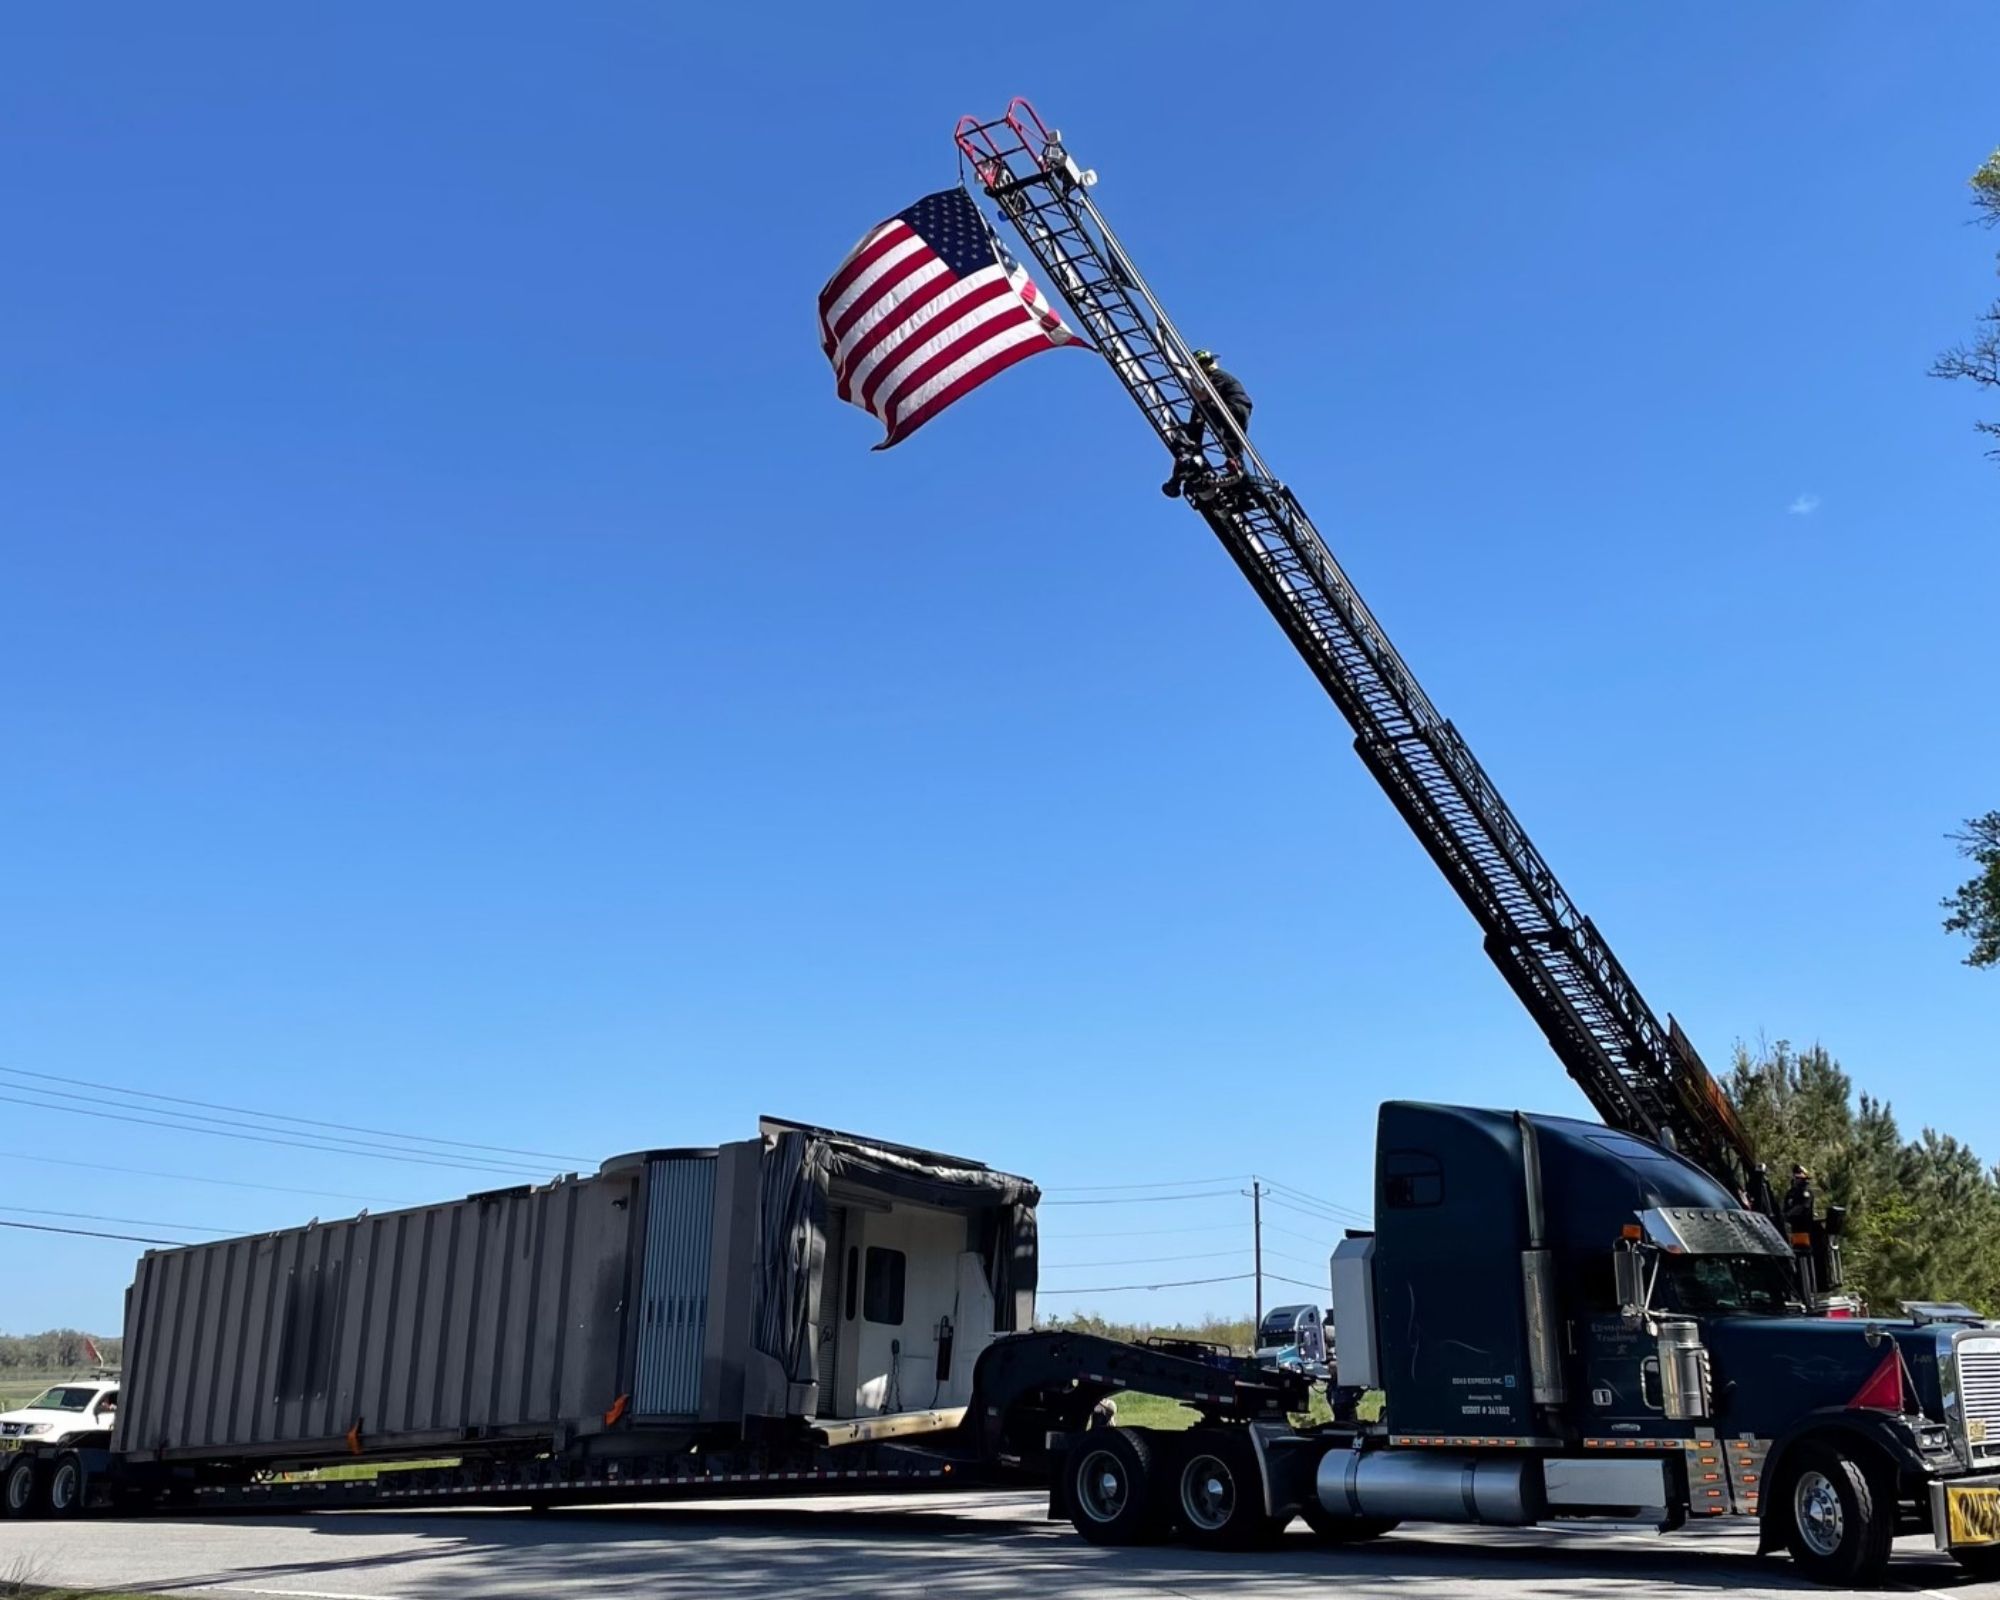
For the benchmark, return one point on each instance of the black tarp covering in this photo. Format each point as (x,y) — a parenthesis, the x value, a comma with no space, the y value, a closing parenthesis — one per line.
(801,1165)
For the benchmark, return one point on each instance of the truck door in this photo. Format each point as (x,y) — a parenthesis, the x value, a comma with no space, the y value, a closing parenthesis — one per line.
(1621,1377)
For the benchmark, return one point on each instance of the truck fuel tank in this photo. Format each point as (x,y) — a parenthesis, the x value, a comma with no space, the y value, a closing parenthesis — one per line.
(1427,1486)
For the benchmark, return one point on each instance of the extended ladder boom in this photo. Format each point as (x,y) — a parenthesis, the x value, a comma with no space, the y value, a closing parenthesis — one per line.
(1639,1076)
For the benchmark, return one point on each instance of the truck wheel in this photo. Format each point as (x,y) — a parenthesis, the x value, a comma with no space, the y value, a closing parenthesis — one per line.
(1112,1483)
(1219,1498)
(17,1487)
(1333,1528)
(1835,1528)
(63,1487)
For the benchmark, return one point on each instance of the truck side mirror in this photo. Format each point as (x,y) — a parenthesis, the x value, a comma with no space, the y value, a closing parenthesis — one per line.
(1628,1276)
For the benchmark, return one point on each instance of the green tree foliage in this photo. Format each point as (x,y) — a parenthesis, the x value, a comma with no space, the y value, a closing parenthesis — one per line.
(1923,1214)
(1234,1332)
(1975,906)
(1978,360)
(50,1354)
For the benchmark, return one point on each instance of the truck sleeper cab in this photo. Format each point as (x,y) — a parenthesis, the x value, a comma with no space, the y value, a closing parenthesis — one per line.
(1569,1322)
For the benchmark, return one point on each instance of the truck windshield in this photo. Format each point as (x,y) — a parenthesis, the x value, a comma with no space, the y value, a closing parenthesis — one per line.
(62,1400)
(1727,1285)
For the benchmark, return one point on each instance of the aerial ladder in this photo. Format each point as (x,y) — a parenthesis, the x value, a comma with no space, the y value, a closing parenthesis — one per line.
(1641,1076)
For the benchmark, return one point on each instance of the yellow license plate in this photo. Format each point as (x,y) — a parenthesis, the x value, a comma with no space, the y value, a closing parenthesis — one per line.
(1972,1514)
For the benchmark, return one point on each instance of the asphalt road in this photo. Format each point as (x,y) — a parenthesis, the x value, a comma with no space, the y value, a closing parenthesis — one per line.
(972,1547)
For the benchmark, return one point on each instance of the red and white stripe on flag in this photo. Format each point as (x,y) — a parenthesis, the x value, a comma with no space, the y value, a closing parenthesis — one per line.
(925,309)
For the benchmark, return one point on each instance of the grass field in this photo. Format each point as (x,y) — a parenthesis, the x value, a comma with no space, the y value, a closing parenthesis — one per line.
(17,1389)
(1154,1411)
(348,1471)
(16,1587)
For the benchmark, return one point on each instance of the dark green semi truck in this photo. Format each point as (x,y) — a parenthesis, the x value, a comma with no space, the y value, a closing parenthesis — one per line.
(1570,1323)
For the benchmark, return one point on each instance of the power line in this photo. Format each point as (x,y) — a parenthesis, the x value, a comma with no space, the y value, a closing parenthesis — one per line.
(1155,1233)
(136,1222)
(1314,1209)
(1296,1283)
(1125,1288)
(1149,1199)
(1317,1216)
(313,1122)
(89,1233)
(337,1144)
(1279,1255)
(1290,1233)
(192,1177)
(251,1138)
(1301,1194)
(1136,1261)
(1178,1183)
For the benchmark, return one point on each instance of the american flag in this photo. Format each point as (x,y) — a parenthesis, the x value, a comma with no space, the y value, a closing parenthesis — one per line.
(925,309)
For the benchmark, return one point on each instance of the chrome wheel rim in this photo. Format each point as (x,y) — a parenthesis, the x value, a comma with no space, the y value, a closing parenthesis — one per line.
(1816,1512)
(1103,1487)
(62,1487)
(1208,1493)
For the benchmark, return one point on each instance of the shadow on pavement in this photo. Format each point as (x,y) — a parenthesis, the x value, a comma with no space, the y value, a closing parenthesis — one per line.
(973,1549)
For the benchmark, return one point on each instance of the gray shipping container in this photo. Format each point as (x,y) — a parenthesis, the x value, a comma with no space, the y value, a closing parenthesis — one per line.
(803,1274)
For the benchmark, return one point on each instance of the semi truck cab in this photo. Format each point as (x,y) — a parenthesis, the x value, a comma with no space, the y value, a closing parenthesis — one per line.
(1593,1325)
(1567,1321)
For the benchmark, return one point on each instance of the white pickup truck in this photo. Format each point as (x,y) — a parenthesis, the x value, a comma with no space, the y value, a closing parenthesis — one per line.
(88,1405)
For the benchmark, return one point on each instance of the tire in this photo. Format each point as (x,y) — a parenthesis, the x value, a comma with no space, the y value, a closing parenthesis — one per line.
(1218,1492)
(1837,1528)
(1333,1528)
(1981,1563)
(20,1482)
(1112,1482)
(64,1486)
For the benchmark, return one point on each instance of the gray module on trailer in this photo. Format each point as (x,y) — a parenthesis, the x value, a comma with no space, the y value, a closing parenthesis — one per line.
(803,1275)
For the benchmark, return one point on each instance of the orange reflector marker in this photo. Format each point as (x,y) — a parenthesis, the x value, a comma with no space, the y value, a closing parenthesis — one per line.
(1802,1241)
(617,1410)
(1884,1389)
(354,1438)
(1631,1230)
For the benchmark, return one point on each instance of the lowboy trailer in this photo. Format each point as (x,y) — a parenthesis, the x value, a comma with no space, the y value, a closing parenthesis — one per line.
(804,1312)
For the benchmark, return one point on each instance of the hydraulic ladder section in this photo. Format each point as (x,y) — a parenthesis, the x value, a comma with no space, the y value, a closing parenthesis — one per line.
(1639,1076)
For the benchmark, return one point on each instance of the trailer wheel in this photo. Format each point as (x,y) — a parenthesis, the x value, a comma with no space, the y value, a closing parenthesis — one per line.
(17,1487)
(1112,1484)
(63,1487)
(1332,1528)
(1219,1499)
(1836,1529)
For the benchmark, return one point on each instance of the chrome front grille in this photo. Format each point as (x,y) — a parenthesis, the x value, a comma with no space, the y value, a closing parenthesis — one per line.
(1977,1356)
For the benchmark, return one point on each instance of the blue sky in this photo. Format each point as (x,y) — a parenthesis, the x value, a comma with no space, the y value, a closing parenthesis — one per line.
(466,674)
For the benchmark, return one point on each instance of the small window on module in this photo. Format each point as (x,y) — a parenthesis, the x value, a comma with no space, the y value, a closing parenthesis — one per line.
(882,1293)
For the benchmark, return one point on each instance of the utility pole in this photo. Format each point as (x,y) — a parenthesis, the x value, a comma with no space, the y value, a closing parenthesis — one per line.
(1257,1251)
